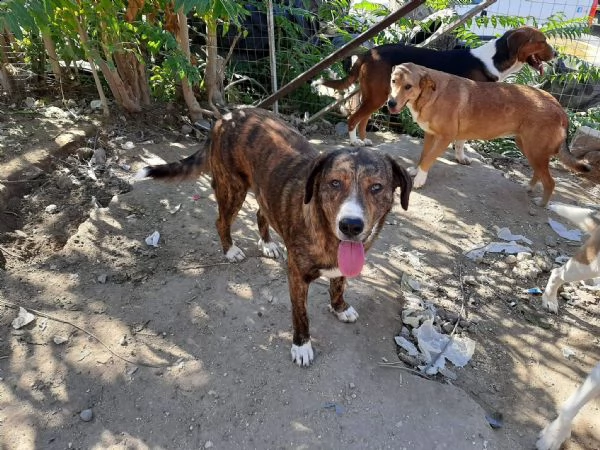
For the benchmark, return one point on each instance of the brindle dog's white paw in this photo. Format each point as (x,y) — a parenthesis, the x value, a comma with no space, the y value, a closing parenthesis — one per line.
(357,143)
(303,354)
(368,142)
(269,249)
(349,315)
(235,254)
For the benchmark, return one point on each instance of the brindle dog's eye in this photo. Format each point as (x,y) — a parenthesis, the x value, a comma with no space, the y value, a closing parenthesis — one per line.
(408,86)
(335,184)
(376,188)
(393,81)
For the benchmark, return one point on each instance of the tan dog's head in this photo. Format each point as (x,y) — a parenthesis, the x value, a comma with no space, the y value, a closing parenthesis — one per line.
(350,191)
(409,81)
(528,45)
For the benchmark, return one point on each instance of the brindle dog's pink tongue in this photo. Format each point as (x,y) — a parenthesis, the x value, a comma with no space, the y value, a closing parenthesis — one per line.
(351,258)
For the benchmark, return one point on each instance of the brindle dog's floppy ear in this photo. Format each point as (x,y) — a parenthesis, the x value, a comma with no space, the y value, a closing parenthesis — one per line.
(401,179)
(313,175)
(426,82)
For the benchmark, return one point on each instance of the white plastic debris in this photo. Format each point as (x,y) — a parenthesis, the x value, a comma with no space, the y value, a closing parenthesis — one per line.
(505,234)
(410,348)
(128,145)
(497,247)
(568,352)
(175,208)
(433,346)
(51,209)
(24,318)
(563,232)
(59,340)
(153,239)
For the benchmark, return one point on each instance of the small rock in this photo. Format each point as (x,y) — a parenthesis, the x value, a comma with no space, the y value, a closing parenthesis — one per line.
(470,280)
(532,212)
(86,415)
(51,209)
(123,341)
(566,295)
(29,102)
(550,241)
(341,128)
(351,385)
(186,129)
(208,444)
(127,145)
(102,278)
(510,259)
(447,327)
(522,256)
(99,156)
(95,105)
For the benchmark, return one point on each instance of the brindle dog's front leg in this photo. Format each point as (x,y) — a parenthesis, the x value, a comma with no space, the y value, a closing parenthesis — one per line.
(302,352)
(339,307)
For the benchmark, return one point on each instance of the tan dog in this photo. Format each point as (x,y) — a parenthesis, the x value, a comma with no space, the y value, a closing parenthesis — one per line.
(328,208)
(450,108)
(493,61)
(584,265)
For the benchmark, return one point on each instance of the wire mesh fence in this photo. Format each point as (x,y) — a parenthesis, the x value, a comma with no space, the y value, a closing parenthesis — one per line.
(305,32)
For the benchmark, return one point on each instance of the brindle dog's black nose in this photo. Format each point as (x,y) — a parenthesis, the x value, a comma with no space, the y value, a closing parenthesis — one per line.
(392,103)
(351,226)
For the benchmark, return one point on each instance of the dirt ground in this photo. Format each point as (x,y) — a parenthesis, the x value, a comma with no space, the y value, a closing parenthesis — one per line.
(173,347)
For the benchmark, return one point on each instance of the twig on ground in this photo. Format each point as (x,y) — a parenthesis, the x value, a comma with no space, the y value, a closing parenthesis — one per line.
(56,319)
(397,365)
(8,252)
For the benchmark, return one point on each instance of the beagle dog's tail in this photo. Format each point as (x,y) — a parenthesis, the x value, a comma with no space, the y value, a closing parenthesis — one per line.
(345,83)
(190,167)
(585,218)
(570,161)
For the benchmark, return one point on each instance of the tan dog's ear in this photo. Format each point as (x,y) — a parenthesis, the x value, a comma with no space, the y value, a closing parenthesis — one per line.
(517,39)
(402,180)
(315,174)
(426,82)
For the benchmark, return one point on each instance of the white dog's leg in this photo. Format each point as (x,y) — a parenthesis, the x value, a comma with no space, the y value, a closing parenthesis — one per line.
(571,271)
(552,437)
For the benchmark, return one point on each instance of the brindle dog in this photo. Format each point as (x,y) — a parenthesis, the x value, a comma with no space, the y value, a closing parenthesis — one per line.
(328,208)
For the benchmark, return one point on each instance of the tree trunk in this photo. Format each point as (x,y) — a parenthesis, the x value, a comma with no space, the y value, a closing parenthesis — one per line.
(133,73)
(51,51)
(186,87)
(6,78)
(212,79)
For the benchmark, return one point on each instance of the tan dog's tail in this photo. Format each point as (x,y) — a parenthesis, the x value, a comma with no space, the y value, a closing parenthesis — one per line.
(585,218)
(570,161)
(345,83)
(190,167)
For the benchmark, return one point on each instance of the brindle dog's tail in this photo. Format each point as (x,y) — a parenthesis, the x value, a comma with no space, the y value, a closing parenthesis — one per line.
(190,167)
(570,161)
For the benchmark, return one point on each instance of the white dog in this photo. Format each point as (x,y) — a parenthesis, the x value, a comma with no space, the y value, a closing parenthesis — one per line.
(584,265)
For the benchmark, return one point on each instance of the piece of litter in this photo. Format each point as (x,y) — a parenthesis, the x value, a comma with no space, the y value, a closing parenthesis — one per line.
(51,209)
(24,318)
(592,285)
(153,239)
(435,351)
(505,234)
(59,340)
(196,197)
(410,348)
(534,291)
(175,209)
(563,232)
(496,247)
(568,352)
(339,409)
